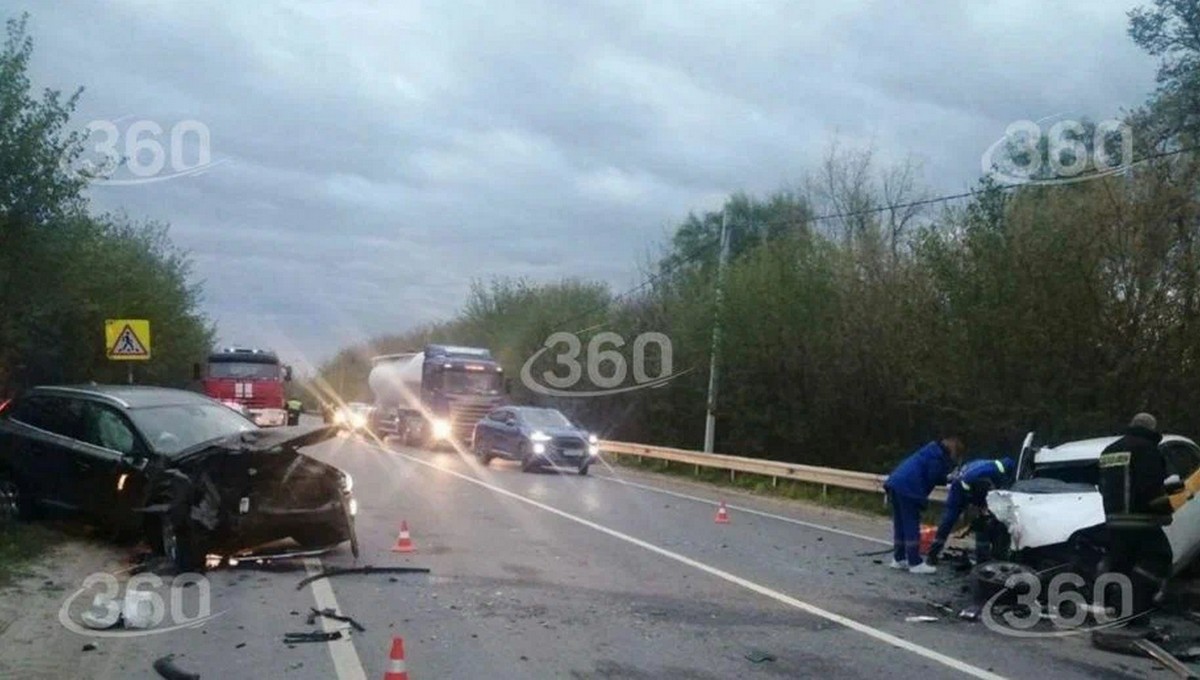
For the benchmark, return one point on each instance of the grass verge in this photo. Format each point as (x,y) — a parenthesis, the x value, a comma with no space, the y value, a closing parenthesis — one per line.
(865,502)
(21,544)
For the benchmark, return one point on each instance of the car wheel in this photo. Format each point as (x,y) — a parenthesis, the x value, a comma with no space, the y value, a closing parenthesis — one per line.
(583,469)
(12,503)
(480,448)
(528,460)
(179,546)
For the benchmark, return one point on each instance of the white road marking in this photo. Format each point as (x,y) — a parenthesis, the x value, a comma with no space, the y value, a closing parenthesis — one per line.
(346,663)
(752,511)
(880,635)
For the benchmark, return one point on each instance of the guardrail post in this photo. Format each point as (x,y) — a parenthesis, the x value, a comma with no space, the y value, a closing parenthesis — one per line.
(697,470)
(824,491)
(732,472)
(774,482)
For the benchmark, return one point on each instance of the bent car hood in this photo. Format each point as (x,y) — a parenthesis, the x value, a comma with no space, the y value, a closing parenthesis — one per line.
(1040,519)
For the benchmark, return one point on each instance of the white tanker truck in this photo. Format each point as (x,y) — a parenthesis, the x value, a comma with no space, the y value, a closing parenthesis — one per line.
(435,396)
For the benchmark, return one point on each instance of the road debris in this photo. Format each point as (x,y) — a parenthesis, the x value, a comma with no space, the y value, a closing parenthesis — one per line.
(90,647)
(368,569)
(166,668)
(944,608)
(1164,657)
(971,613)
(920,619)
(759,656)
(873,553)
(332,614)
(314,636)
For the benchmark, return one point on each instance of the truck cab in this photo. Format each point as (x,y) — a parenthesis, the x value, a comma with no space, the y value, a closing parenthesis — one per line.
(436,395)
(248,379)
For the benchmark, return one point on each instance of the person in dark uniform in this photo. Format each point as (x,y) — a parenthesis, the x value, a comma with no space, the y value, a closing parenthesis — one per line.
(969,487)
(1136,487)
(908,489)
(294,408)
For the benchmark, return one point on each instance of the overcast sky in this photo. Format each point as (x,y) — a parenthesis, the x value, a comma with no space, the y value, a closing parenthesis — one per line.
(371,158)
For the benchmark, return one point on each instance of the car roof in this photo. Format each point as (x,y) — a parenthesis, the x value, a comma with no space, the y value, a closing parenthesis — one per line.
(123,396)
(1087,449)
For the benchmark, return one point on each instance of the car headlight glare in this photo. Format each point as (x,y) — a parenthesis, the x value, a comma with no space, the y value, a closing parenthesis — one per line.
(357,420)
(347,482)
(353,507)
(593,439)
(539,448)
(441,429)
(594,450)
(539,436)
(339,417)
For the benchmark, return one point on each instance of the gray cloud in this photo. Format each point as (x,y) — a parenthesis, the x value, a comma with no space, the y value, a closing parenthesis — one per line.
(375,157)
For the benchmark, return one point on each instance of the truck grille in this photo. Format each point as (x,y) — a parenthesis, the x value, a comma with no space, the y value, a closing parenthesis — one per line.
(463,417)
(569,443)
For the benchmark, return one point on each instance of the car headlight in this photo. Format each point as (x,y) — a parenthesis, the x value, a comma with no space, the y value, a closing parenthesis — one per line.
(441,429)
(594,450)
(539,448)
(593,439)
(358,420)
(339,417)
(353,507)
(539,436)
(347,482)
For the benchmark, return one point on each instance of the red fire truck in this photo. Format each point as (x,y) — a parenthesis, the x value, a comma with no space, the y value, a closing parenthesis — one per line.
(250,380)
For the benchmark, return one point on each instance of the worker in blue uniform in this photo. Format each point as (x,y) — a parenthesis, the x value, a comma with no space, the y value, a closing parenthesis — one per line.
(908,489)
(969,486)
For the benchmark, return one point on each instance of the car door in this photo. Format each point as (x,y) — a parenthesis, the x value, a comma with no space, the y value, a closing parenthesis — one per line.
(109,458)
(45,427)
(1183,459)
(485,431)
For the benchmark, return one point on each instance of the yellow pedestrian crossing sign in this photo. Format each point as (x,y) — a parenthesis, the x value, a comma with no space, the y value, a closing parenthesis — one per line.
(127,339)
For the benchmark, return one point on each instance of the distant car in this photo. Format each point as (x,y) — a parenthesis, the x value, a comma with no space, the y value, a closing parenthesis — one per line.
(354,416)
(1054,513)
(535,437)
(192,475)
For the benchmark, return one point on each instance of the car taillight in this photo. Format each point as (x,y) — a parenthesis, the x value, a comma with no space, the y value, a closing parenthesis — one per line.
(4,405)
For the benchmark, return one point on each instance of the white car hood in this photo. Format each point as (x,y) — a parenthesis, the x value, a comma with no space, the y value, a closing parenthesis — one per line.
(1040,519)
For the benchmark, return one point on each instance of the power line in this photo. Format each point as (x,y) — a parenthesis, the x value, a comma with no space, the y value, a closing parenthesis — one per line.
(702,250)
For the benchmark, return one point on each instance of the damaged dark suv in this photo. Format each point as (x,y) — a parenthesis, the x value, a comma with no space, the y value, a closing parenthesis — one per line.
(190,474)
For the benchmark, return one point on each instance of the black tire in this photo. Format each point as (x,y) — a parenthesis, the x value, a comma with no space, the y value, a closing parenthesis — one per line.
(180,545)
(583,469)
(15,506)
(481,454)
(528,460)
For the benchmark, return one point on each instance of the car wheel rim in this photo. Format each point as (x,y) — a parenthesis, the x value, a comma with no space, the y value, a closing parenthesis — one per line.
(10,501)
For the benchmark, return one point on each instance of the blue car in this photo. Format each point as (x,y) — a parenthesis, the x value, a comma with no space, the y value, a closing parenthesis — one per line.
(534,437)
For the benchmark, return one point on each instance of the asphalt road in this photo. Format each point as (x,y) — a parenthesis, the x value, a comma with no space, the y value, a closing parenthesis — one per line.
(614,575)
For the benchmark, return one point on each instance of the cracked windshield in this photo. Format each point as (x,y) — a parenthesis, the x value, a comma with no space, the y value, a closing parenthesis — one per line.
(599,339)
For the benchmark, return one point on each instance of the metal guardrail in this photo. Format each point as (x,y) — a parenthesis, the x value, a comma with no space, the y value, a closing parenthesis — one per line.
(776,470)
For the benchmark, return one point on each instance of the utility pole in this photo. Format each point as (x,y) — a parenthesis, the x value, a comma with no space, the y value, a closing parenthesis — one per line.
(710,421)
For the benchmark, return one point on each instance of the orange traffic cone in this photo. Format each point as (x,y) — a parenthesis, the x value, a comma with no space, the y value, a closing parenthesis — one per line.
(404,543)
(396,670)
(722,514)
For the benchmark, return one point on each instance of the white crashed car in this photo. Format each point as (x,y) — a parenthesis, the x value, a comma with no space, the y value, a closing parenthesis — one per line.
(1054,512)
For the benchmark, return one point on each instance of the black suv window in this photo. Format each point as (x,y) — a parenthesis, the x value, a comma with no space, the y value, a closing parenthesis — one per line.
(1182,458)
(105,427)
(59,415)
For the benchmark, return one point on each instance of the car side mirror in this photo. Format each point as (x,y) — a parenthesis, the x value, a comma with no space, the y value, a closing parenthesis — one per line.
(196,373)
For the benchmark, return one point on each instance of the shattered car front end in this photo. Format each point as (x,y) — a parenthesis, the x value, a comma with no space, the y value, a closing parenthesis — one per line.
(237,495)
